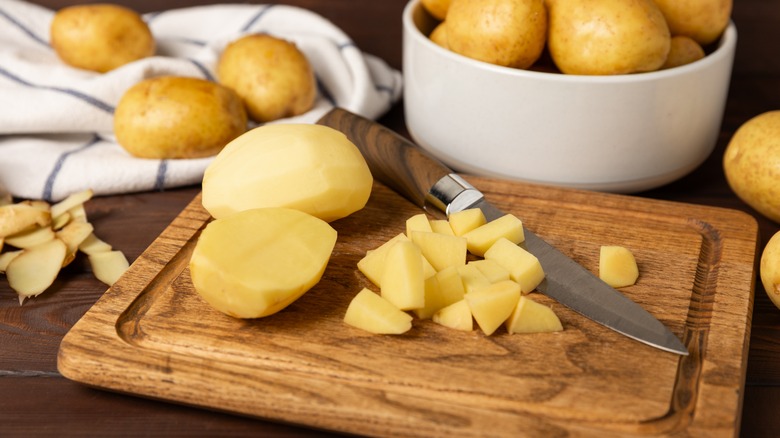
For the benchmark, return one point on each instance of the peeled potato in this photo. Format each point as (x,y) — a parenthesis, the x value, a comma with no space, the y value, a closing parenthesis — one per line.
(311,168)
(178,117)
(272,76)
(257,262)
(100,37)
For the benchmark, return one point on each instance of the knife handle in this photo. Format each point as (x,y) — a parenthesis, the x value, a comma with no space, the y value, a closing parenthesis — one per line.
(393,160)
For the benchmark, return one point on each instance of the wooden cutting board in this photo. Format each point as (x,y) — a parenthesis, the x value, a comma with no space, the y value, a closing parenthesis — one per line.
(152,335)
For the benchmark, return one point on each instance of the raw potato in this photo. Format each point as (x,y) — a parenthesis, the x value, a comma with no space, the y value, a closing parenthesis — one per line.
(532,317)
(683,50)
(617,266)
(441,250)
(702,20)
(311,168)
(769,269)
(456,316)
(403,283)
(100,37)
(439,35)
(437,8)
(271,75)
(257,262)
(483,237)
(464,221)
(178,117)
(510,33)
(523,267)
(607,37)
(492,305)
(752,163)
(374,314)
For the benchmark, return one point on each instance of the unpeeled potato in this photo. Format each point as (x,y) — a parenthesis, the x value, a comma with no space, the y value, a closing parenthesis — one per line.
(271,75)
(510,33)
(100,37)
(178,117)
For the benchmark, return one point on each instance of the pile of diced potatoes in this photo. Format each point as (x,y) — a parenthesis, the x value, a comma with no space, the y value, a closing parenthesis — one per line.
(454,272)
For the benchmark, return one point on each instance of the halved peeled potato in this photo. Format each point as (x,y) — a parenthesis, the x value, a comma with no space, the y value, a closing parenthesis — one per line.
(256,262)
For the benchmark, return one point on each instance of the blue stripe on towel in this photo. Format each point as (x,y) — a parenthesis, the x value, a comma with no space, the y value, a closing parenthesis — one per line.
(49,186)
(252,21)
(24,28)
(205,71)
(77,94)
(162,169)
(324,92)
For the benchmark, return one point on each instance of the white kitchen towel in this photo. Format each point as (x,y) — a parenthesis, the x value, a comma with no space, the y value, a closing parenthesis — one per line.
(56,121)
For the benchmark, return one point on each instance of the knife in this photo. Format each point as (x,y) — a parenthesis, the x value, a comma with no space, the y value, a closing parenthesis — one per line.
(425,181)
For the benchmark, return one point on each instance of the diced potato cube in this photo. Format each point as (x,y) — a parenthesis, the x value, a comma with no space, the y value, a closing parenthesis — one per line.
(491,269)
(373,264)
(441,250)
(617,266)
(441,226)
(532,317)
(403,283)
(433,299)
(372,313)
(450,284)
(523,267)
(466,220)
(492,305)
(418,222)
(484,236)
(456,316)
(473,279)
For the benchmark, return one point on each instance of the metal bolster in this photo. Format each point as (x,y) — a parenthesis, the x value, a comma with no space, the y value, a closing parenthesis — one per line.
(452,193)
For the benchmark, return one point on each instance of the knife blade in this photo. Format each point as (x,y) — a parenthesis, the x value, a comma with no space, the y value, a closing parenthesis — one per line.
(421,178)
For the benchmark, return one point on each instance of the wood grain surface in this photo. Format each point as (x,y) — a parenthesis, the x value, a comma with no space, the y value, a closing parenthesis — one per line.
(152,335)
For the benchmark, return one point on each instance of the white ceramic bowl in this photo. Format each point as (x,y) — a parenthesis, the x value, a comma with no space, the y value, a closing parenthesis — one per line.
(623,133)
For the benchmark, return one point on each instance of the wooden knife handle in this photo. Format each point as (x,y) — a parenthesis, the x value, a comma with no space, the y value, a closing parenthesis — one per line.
(393,160)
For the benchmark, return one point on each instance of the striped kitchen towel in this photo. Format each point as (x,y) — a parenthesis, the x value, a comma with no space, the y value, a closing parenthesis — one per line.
(56,121)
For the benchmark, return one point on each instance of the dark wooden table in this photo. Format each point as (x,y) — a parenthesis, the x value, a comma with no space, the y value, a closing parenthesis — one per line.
(35,400)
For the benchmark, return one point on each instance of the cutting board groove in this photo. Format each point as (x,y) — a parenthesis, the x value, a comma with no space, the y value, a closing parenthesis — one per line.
(152,335)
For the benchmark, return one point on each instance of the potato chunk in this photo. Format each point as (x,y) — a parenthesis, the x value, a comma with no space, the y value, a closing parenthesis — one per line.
(403,283)
(456,316)
(441,250)
(372,313)
(480,239)
(492,305)
(464,221)
(532,317)
(311,168)
(523,266)
(617,266)
(256,262)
